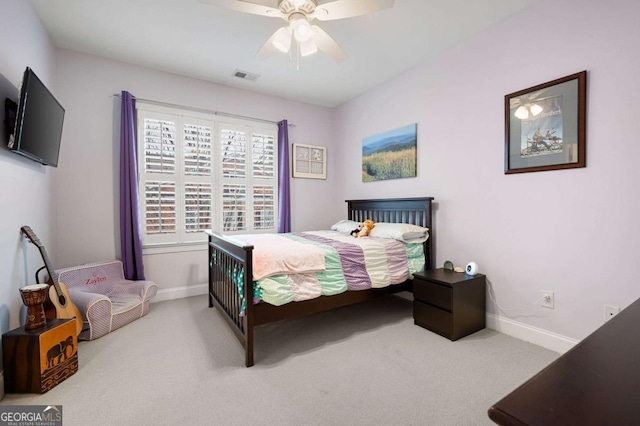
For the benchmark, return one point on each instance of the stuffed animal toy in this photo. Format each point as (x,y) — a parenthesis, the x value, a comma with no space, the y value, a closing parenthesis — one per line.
(365,228)
(355,231)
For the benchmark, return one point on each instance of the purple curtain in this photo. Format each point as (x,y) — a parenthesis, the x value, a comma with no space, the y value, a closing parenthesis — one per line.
(130,235)
(284,192)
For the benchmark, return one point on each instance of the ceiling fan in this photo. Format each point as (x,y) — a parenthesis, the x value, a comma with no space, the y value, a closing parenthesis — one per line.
(306,38)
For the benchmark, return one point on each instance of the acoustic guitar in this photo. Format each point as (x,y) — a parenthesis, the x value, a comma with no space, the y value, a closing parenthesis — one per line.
(58,304)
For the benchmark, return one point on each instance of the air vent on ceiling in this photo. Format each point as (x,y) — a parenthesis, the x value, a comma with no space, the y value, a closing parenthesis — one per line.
(245,75)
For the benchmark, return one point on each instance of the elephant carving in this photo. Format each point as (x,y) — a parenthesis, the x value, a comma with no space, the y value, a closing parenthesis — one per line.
(58,353)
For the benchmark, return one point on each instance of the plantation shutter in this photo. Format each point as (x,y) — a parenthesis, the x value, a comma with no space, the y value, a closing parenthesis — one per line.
(197,177)
(160,203)
(234,207)
(197,150)
(263,150)
(198,173)
(264,180)
(233,147)
(233,153)
(249,177)
(159,146)
(159,179)
(263,207)
(198,209)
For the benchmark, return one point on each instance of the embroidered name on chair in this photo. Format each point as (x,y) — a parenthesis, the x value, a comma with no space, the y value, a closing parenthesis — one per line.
(95,280)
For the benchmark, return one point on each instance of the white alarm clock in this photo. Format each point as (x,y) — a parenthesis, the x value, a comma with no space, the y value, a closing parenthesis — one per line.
(471,269)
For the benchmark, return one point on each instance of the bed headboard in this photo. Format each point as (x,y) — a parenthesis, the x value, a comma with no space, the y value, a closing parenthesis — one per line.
(416,211)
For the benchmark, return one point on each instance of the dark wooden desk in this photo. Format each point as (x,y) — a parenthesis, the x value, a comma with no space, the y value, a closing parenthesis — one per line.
(595,383)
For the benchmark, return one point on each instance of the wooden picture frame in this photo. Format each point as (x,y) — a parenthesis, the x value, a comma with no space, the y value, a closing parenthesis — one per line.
(545,126)
(309,161)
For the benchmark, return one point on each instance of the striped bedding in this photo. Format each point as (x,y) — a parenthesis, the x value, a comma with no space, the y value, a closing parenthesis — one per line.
(350,264)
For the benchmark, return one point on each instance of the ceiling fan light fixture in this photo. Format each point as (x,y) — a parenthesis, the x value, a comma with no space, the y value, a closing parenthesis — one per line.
(282,39)
(299,14)
(300,27)
(308,47)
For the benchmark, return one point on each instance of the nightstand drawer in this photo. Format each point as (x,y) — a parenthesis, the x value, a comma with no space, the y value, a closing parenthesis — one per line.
(432,293)
(434,319)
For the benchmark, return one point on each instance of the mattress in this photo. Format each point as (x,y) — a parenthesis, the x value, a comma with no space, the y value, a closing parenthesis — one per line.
(324,263)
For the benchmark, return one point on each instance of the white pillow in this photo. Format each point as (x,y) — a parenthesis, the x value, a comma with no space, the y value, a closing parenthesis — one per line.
(397,231)
(345,226)
(400,231)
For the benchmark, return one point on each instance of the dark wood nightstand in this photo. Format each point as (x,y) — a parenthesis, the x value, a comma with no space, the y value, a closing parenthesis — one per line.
(449,303)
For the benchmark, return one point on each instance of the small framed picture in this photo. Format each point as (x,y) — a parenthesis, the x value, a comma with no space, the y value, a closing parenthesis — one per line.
(545,126)
(309,161)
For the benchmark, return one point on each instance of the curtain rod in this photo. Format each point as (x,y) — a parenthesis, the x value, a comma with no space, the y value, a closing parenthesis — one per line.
(208,111)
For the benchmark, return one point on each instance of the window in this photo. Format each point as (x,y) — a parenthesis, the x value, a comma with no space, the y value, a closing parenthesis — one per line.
(199,171)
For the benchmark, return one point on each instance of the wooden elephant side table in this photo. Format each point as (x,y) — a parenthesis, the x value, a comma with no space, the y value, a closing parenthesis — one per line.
(35,361)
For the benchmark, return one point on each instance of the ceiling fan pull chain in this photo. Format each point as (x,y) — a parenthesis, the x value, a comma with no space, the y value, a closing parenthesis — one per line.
(297,55)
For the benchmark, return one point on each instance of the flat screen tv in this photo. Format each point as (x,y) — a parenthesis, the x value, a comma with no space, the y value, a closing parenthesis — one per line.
(38,127)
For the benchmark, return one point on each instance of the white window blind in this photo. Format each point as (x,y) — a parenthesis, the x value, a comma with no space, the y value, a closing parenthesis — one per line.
(264,178)
(198,207)
(234,207)
(159,146)
(233,146)
(264,206)
(198,172)
(197,150)
(263,147)
(160,206)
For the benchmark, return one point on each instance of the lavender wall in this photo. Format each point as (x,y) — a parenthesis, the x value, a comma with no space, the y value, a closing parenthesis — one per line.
(574,232)
(87,178)
(25,186)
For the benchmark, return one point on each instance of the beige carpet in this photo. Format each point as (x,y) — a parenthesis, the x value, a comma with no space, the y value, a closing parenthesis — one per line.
(366,364)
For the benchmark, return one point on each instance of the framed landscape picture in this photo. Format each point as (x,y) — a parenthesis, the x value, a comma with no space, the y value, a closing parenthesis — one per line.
(390,155)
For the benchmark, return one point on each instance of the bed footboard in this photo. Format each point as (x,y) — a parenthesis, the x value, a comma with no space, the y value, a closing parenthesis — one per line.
(230,274)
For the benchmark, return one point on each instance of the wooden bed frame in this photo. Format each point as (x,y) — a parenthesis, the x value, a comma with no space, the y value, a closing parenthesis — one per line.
(229,260)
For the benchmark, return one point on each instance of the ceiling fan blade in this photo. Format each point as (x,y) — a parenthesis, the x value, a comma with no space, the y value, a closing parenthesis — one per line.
(245,6)
(268,48)
(340,9)
(327,45)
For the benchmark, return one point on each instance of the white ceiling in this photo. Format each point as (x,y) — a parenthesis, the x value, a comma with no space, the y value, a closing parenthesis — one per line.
(207,42)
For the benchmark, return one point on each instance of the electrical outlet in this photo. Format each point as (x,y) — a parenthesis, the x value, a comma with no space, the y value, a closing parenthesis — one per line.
(610,312)
(547,299)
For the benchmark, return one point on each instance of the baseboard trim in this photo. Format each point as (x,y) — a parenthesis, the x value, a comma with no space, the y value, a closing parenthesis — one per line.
(538,336)
(546,339)
(180,292)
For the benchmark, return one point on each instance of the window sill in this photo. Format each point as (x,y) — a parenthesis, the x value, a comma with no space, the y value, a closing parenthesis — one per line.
(174,248)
